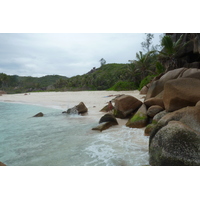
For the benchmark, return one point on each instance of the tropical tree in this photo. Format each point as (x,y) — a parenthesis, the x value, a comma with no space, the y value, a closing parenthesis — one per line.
(168,56)
(148,41)
(143,63)
(102,61)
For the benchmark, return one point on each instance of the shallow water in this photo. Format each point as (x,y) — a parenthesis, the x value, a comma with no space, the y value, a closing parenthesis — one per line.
(61,140)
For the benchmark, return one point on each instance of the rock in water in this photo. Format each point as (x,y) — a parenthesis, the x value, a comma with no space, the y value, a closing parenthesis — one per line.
(40,114)
(108,118)
(2,164)
(103,126)
(106,122)
(78,109)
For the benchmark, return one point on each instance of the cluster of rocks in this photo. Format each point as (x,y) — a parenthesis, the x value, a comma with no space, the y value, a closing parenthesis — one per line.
(169,114)
(173,110)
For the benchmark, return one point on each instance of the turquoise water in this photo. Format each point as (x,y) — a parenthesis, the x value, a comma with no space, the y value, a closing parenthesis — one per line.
(58,139)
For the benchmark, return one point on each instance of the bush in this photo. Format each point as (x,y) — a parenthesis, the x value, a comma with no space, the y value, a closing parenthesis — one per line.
(123,85)
(145,81)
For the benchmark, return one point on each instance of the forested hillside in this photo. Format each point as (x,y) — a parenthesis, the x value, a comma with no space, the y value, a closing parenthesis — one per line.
(17,84)
(101,78)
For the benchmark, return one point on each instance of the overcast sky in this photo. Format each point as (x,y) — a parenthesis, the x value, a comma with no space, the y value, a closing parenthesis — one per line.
(67,54)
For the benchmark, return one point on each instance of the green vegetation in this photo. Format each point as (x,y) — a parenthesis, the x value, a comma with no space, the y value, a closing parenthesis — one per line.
(145,81)
(102,78)
(170,50)
(18,84)
(123,85)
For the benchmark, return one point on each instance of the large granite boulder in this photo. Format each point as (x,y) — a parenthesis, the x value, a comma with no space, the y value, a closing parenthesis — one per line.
(125,105)
(156,88)
(180,93)
(175,145)
(139,119)
(191,73)
(175,139)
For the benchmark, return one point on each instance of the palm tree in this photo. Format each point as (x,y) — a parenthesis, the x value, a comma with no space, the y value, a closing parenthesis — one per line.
(169,54)
(143,63)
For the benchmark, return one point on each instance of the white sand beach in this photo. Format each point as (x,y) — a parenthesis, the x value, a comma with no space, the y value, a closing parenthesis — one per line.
(94,100)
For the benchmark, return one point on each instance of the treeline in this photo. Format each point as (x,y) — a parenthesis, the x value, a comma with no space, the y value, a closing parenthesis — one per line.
(18,84)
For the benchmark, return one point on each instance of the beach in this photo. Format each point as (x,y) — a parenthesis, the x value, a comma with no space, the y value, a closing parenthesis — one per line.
(58,139)
(94,100)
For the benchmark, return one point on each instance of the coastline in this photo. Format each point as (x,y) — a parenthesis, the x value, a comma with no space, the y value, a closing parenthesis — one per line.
(94,100)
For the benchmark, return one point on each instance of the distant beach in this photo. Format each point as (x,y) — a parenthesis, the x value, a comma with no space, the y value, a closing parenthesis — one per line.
(94,100)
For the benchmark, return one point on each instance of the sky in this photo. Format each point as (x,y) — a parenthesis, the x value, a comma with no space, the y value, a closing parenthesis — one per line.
(26,50)
(67,54)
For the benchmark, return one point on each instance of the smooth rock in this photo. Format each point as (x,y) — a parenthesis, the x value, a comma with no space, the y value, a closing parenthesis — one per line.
(180,93)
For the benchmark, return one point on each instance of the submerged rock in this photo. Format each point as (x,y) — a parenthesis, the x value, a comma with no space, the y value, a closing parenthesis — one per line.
(106,122)
(40,114)
(103,126)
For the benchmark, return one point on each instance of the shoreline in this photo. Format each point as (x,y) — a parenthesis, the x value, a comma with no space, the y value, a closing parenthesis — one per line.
(94,100)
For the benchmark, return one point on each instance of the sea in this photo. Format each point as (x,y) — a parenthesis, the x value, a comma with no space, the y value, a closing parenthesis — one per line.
(60,139)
